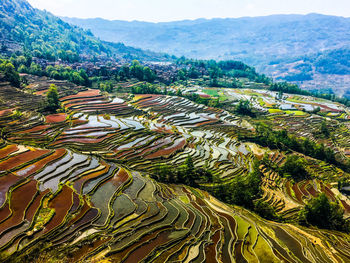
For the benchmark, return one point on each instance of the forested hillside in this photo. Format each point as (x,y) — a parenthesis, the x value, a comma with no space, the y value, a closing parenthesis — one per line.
(23,27)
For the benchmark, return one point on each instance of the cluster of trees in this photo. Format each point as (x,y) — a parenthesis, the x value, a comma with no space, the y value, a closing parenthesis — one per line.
(53,103)
(58,72)
(325,214)
(329,95)
(21,59)
(200,100)
(106,86)
(294,167)
(68,56)
(243,190)
(185,174)
(267,137)
(303,76)
(332,62)
(319,211)
(304,73)
(146,88)
(343,182)
(324,129)
(10,73)
(136,70)
(244,108)
(286,87)
(246,192)
(230,68)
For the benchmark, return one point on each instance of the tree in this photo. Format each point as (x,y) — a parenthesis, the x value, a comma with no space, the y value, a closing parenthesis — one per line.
(322,213)
(244,108)
(181,74)
(295,167)
(10,73)
(85,77)
(189,172)
(77,79)
(52,98)
(279,95)
(35,69)
(107,87)
(136,70)
(324,129)
(215,72)
(244,190)
(185,174)
(149,75)
(124,73)
(265,210)
(193,73)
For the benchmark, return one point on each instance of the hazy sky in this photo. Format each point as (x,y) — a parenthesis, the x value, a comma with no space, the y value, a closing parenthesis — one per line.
(171,10)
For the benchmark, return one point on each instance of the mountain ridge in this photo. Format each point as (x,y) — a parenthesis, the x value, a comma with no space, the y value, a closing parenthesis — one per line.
(203,19)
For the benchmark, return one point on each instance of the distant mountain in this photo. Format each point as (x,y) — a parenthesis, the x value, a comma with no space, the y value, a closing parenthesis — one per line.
(47,36)
(254,39)
(273,44)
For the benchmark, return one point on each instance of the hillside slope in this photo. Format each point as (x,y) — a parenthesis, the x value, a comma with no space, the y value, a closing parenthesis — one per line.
(47,36)
(76,186)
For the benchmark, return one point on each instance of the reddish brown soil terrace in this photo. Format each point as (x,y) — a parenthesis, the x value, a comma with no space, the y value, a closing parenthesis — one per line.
(22,158)
(61,204)
(7,112)
(31,211)
(88,93)
(5,212)
(20,199)
(178,144)
(60,117)
(41,92)
(36,129)
(6,181)
(82,141)
(31,169)
(120,178)
(80,182)
(4,152)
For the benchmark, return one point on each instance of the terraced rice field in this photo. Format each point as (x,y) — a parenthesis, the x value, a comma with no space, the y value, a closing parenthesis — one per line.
(76,185)
(288,197)
(88,209)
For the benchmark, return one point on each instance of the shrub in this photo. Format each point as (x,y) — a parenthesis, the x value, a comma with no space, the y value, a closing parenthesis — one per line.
(322,213)
(294,167)
(265,210)
(52,99)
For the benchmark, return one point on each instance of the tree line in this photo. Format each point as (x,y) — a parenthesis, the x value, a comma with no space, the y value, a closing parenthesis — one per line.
(281,140)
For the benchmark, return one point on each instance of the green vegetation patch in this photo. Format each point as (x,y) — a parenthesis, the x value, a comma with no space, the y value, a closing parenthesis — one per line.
(296,112)
(211,92)
(275,111)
